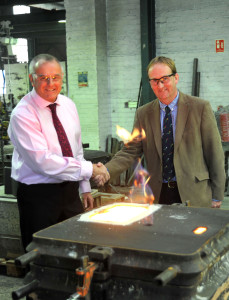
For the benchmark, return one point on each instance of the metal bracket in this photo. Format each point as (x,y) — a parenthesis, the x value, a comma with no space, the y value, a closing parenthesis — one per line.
(85,274)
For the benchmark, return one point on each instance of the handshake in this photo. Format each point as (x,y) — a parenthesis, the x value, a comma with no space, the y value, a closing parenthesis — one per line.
(100,174)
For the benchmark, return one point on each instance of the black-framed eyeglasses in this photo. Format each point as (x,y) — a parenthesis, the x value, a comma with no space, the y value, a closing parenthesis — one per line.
(163,79)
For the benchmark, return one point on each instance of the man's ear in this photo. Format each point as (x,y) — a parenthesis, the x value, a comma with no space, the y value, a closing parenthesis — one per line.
(31,79)
(176,78)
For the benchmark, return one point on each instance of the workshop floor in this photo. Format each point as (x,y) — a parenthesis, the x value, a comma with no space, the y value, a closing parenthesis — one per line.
(9,284)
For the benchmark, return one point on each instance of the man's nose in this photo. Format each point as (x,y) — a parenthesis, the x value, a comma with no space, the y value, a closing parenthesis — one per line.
(160,83)
(50,80)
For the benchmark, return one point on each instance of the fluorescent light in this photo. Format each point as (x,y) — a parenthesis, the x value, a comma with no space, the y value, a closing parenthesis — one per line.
(21,9)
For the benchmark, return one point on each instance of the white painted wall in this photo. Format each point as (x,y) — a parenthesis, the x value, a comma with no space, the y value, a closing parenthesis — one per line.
(188,29)
(103,38)
(81,57)
(105,42)
(124,56)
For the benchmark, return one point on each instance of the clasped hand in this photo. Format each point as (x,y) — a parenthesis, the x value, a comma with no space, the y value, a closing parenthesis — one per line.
(100,174)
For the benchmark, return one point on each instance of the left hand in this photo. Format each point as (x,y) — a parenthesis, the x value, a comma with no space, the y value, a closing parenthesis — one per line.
(216,204)
(87,200)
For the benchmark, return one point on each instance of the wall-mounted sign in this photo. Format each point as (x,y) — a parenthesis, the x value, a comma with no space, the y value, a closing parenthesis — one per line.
(219,45)
(82,79)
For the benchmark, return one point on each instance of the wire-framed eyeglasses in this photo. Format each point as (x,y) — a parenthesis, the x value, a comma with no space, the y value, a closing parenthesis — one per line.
(163,79)
(46,78)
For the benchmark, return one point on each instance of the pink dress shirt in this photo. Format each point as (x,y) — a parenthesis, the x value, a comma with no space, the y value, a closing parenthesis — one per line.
(37,156)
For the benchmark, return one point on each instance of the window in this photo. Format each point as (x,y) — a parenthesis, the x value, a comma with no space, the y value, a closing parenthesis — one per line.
(21,50)
(2,82)
(21,9)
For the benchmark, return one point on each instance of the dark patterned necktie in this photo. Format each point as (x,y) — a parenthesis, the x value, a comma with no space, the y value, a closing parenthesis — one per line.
(62,137)
(167,146)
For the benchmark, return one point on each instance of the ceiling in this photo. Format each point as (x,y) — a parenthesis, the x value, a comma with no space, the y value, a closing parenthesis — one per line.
(42,21)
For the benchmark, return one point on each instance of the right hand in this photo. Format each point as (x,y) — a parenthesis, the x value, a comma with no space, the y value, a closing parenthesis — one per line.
(100,175)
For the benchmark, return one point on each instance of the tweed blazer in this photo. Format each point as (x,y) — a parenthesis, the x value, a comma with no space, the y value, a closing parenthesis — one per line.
(198,153)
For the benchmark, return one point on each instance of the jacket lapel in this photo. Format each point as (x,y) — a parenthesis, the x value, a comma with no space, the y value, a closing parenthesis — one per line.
(182,115)
(154,120)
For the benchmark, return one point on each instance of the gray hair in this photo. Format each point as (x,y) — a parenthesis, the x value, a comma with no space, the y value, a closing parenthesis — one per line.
(41,58)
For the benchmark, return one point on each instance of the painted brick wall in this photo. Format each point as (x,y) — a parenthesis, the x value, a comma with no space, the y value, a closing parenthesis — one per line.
(103,38)
(124,56)
(106,43)
(188,29)
(104,120)
(81,57)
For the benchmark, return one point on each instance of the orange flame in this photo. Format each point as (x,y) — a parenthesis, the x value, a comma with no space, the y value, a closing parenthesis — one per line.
(149,197)
(127,137)
(141,192)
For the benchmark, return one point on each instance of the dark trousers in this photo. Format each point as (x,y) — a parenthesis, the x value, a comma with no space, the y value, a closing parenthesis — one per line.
(43,205)
(169,194)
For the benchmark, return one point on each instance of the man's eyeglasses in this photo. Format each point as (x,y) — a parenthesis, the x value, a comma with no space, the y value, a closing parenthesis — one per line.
(45,78)
(163,79)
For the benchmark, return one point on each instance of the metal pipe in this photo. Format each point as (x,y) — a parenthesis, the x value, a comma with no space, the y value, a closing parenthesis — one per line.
(74,296)
(198,84)
(27,258)
(195,66)
(25,290)
(167,275)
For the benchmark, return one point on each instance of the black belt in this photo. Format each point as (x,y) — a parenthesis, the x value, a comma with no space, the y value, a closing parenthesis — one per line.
(170,184)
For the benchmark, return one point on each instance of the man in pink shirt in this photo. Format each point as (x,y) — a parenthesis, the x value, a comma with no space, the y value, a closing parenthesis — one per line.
(49,182)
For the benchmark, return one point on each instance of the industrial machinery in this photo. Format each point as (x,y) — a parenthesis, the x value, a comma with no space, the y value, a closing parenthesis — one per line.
(160,252)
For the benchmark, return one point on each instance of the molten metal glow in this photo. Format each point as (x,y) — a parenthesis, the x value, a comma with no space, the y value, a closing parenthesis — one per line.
(200,230)
(119,213)
(127,137)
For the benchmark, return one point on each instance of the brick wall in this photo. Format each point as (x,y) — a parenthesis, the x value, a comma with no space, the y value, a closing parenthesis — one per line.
(188,29)
(103,38)
(124,55)
(105,42)
(81,57)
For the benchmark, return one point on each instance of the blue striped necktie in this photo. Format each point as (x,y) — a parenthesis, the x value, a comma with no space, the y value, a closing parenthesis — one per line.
(167,146)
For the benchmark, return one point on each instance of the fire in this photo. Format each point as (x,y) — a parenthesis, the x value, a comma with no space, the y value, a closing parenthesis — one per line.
(127,137)
(141,192)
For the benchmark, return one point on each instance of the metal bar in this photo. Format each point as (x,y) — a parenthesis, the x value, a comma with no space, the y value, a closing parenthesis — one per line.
(148,46)
(195,66)
(27,258)
(197,84)
(25,290)
(167,275)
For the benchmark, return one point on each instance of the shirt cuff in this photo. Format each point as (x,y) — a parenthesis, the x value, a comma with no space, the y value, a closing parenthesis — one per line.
(84,186)
(86,170)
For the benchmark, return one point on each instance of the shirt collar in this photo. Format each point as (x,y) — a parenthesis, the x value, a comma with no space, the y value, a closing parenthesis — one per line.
(172,104)
(41,102)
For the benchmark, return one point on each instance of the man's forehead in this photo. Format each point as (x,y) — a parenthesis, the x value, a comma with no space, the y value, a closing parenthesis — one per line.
(159,67)
(42,62)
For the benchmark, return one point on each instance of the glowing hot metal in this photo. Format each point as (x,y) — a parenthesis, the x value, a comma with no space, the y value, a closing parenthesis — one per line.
(119,213)
(200,230)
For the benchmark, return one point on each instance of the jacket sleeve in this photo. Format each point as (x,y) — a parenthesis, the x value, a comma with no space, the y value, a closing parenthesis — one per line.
(213,152)
(128,155)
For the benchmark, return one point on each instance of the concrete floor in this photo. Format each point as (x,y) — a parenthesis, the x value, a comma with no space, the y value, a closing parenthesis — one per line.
(9,284)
